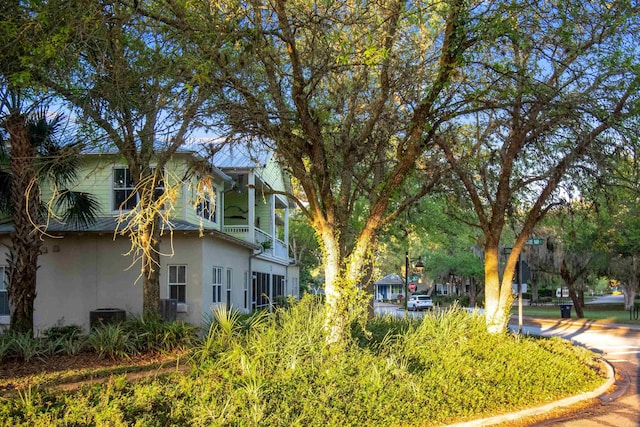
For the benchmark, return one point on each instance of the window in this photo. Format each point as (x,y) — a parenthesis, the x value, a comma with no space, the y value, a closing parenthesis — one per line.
(246,289)
(229,280)
(261,293)
(217,284)
(178,283)
(4,297)
(206,207)
(278,285)
(125,196)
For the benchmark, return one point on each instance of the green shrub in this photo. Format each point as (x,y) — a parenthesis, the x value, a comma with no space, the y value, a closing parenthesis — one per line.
(26,347)
(274,369)
(5,346)
(68,339)
(113,341)
(285,302)
(464,301)
(153,333)
(63,331)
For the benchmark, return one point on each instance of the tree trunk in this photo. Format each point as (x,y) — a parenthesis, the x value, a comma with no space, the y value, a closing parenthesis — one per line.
(498,295)
(151,267)
(25,199)
(367,286)
(631,290)
(534,287)
(335,304)
(570,282)
(629,299)
(473,292)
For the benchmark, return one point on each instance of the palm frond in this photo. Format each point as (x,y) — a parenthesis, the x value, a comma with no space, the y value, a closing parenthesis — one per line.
(78,209)
(43,128)
(60,163)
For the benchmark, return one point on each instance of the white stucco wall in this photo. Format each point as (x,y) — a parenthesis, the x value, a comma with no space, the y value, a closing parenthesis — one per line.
(220,253)
(80,274)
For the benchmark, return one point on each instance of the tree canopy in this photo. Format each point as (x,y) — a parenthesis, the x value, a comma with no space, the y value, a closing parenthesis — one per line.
(135,86)
(555,87)
(502,103)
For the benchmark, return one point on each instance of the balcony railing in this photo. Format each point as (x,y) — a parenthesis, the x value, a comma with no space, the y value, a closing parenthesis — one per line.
(238,231)
(264,239)
(273,247)
(281,249)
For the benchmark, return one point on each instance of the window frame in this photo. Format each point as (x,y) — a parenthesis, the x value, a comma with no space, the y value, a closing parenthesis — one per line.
(127,186)
(246,290)
(132,197)
(229,284)
(177,284)
(4,284)
(206,208)
(216,286)
(261,290)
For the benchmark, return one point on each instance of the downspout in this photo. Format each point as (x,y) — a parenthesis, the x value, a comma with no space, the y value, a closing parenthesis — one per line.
(251,257)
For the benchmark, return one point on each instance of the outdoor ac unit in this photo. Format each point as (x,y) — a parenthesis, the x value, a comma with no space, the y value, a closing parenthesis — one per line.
(168,309)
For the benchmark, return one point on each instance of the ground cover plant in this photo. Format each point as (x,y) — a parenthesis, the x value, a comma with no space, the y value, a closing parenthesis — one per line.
(274,370)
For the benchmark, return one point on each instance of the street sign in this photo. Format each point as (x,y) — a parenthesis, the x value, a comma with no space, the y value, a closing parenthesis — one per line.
(535,241)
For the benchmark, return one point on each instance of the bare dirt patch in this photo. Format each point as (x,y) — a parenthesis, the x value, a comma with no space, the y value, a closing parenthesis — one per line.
(69,372)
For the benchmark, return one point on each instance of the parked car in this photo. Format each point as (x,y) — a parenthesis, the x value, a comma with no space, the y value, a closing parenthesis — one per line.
(419,302)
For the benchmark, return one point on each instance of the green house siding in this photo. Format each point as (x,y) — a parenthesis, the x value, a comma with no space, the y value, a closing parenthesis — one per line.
(96,177)
(272,174)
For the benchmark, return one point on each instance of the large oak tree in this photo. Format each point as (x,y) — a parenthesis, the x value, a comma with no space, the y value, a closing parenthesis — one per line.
(349,95)
(550,91)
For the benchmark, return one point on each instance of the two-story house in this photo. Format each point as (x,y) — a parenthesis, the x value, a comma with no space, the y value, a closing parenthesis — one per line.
(231,250)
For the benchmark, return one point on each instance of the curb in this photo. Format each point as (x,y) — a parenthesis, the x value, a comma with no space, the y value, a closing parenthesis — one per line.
(546,408)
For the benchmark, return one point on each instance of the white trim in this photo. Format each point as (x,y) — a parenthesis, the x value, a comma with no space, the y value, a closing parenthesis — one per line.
(4,281)
(177,282)
(216,298)
(112,200)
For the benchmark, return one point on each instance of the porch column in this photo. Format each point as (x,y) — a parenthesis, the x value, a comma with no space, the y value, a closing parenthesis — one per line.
(286,227)
(251,206)
(272,219)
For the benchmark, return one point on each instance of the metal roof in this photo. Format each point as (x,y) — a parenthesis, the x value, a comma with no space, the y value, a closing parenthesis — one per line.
(391,279)
(109,224)
(242,156)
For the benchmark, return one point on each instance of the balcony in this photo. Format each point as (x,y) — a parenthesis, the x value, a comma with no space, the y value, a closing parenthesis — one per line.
(272,246)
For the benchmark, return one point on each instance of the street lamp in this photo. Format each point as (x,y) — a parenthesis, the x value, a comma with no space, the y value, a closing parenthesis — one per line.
(419,266)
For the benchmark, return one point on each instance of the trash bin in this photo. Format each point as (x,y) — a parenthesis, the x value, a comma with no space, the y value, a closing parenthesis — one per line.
(565,311)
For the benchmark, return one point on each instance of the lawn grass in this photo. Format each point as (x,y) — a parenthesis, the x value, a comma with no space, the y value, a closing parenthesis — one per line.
(275,370)
(605,313)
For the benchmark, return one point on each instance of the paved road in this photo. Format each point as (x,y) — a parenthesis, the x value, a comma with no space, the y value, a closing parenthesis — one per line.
(619,346)
(608,299)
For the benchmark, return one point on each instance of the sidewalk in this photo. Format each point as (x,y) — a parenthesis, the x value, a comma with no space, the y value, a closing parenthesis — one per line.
(615,328)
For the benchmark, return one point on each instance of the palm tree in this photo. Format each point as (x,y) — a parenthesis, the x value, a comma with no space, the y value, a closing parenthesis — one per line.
(31,154)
